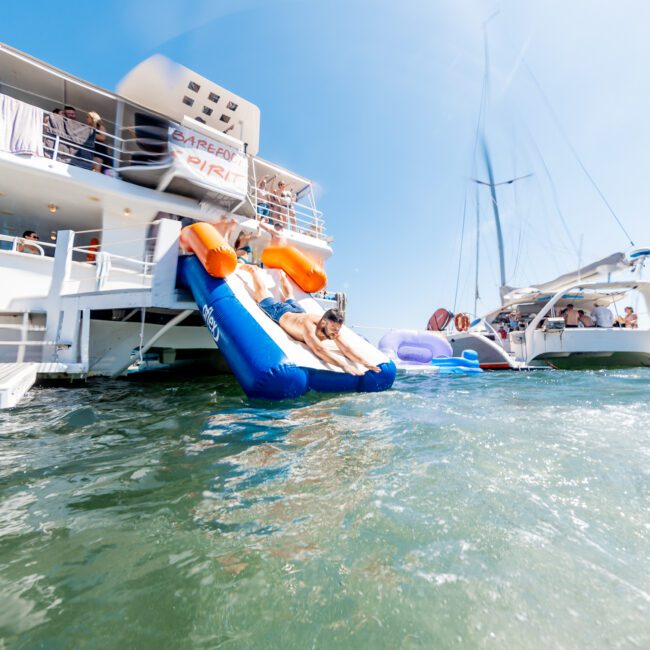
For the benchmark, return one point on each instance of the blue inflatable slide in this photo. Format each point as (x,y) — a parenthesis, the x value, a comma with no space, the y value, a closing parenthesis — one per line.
(266,361)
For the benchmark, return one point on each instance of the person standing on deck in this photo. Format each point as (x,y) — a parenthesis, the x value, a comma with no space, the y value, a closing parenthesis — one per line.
(571,316)
(602,316)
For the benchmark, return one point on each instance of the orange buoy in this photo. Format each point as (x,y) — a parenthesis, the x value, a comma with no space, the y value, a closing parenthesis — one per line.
(308,275)
(215,253)
(461,321)
(92,249)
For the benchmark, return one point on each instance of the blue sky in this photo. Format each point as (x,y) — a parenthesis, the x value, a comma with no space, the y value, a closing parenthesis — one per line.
(377,101)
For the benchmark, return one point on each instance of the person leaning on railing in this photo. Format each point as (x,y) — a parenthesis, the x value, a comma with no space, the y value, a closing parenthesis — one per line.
(23,247)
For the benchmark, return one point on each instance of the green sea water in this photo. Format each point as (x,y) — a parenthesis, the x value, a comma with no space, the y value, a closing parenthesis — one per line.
(504,510)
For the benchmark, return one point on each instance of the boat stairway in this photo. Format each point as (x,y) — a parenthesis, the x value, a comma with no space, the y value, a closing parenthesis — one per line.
(22,337)
(15,380)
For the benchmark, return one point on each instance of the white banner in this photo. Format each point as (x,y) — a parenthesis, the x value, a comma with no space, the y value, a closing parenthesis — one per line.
(221,166)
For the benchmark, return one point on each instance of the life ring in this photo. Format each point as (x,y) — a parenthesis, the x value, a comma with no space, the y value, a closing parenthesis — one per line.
(92,249)
(461,321)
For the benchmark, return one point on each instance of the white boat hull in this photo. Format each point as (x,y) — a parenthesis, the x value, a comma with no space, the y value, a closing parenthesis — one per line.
(571,349)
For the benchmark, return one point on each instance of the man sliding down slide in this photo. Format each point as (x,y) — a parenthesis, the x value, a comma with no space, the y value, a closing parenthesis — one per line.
(307,328)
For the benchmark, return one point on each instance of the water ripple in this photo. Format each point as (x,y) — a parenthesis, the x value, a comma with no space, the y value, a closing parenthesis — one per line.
(498,511)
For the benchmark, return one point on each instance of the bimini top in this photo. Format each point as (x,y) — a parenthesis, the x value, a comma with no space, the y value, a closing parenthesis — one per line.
(610,264)
(172,90)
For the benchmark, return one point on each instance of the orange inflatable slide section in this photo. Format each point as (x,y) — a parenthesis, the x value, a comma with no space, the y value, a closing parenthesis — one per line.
(220,260)
(308,275)
(216,254)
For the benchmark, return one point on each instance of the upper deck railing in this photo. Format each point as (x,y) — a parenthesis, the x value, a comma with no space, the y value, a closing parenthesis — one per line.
(144,147)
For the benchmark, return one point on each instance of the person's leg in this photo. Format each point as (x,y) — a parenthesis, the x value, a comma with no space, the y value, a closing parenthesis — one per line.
(285,286)
(260,290)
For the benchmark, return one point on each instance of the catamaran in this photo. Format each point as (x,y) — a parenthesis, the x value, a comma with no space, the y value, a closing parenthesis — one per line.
(528,329)
(91,218)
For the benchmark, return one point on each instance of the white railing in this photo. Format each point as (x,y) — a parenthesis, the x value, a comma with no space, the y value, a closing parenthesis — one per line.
(293,215)
(27,246)
(106,264)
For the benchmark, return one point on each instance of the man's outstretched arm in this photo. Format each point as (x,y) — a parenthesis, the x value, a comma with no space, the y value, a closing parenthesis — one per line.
(351,354)
(325,355)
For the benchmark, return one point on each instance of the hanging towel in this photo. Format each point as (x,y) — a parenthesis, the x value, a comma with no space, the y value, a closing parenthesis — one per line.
(76,141)
(21,127)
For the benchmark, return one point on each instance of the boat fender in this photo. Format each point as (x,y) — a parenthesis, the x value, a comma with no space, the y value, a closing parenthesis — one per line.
(92,249)
(308,275)
(461,321)
(217,256)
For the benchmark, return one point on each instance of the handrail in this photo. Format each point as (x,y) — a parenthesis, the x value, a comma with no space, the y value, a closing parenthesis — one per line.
(295,216)
(16,241)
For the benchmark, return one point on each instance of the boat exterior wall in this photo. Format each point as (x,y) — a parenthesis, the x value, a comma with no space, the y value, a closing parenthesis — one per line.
(491,355)
(590,347)
(112,342)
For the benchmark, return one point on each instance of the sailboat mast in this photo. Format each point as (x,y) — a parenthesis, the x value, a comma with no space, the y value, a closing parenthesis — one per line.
(495,210)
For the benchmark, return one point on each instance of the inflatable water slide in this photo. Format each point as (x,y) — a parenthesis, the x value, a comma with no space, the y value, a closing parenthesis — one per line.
(265,360)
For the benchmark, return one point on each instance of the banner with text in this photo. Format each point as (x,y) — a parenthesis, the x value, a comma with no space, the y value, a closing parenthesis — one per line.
(221,166)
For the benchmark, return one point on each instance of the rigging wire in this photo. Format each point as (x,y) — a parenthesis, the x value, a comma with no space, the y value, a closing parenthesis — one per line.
(477,295)
(574,152)
(554,193)
(477,134)
(460,253)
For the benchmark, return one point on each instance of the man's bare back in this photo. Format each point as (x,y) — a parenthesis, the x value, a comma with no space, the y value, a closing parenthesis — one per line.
(298,326)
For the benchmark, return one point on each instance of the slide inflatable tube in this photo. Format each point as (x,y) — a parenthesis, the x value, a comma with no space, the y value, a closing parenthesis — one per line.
(309,276)
(216,254)
(254,350)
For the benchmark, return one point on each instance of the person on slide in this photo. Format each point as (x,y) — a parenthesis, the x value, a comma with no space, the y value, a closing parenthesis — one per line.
(306,328)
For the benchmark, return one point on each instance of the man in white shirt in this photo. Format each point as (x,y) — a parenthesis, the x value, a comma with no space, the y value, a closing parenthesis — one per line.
(602,316)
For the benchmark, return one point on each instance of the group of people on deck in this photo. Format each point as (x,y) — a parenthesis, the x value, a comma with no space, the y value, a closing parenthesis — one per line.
(275,202)
(601,316)
(102,160)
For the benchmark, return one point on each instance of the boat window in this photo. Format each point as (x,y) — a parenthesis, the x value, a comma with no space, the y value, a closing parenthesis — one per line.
(232,106)
(194,87)
(213,97)
(225,118)
(200,119)
(207,110)
(188,100)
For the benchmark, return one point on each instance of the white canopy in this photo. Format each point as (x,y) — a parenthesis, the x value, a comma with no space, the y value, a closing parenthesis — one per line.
(611,264)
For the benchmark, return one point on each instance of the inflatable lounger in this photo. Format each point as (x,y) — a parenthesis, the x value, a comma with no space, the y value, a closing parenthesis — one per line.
(266,361)
(419,350)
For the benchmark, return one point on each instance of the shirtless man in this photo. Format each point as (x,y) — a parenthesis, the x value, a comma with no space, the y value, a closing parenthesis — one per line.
(571,316)
(306,328)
